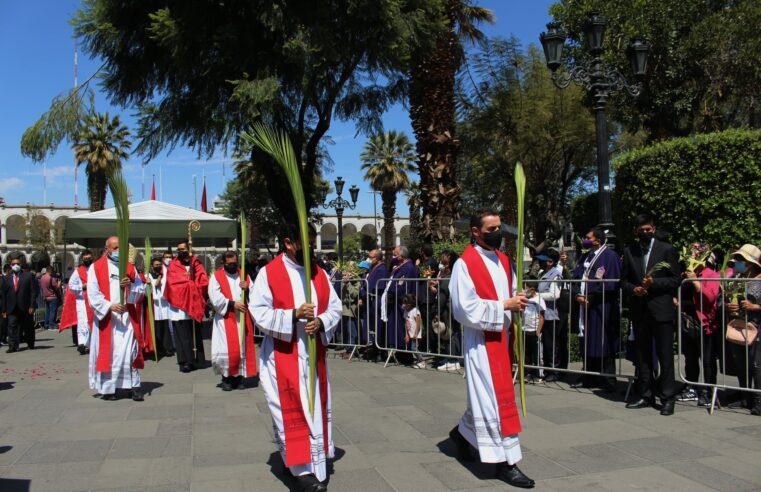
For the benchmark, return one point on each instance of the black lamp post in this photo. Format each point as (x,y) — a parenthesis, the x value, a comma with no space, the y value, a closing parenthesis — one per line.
(598,78)
(339,204)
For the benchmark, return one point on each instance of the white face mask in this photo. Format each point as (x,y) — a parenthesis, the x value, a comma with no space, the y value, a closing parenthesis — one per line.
(167,261)
(16,268)
(442,266)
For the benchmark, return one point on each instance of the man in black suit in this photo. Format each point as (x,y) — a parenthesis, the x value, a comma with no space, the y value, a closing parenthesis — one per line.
(651,290)
(3,320)
(18,306)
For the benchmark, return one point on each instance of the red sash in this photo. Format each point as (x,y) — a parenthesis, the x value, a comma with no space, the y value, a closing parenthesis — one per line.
(497,351)
(231,330)
(296,429)
(103,362)
(69,314)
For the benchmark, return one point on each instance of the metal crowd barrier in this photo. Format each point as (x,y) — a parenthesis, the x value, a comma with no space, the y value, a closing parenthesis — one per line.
(353,331)
(713,361)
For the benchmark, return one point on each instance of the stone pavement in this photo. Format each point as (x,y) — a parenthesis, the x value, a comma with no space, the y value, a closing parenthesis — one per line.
(390,430)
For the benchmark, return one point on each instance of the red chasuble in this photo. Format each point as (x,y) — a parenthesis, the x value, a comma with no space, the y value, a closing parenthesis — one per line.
(232,332)
(500,365)
(296,429)
(103,362)
(69,313)
(183,293)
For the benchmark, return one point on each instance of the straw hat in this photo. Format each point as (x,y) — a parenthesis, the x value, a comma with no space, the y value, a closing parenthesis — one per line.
(750,253)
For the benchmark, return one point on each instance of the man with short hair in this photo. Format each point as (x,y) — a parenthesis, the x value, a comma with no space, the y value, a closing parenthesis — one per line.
(185,292)
(278,305)
(484,296)
(77,313)
(372,290)
(18,306)
(116,345)
(651,291)
(230,358)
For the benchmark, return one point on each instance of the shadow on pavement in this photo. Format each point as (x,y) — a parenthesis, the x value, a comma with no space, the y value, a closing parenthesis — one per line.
(14,484)
(6,385)
(149,386)
(482,471)
(277,467)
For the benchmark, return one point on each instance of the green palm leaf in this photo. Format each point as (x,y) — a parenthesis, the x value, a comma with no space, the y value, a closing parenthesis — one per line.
(149,297)
(120,193)
(520,188)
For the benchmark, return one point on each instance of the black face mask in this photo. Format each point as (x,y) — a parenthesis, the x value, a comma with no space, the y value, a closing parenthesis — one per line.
(645,237)
(493,239)
(231,268)
(183,255)
(300,256)
(156,271)
(87,262)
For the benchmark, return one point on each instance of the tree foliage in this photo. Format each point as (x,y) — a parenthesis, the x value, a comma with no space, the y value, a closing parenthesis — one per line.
(703,72)
(511,111)
(386,160)
(200,72)
(702,188)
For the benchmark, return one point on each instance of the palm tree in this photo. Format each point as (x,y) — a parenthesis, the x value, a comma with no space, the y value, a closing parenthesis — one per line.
(101,144)
(432,111)
(386,160)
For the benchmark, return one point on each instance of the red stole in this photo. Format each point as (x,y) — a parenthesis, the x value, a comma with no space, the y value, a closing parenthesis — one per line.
(103,363)
(184,293)
(69,313)
(231,330)
(497,351)
(296,429)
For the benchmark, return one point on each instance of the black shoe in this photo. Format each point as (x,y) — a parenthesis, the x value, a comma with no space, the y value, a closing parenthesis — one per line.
(226,386)
(512,475)
(551,378)
(667,408)
(185,368)
(82,349)
(703,399)
(463,446)
(641,403)
(11,350)
(137,394)
(110,397)
(309,483)
(237,382)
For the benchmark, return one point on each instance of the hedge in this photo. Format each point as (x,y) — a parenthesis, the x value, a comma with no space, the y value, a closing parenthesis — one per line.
(703,188)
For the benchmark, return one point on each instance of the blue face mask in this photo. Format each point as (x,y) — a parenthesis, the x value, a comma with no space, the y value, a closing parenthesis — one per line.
(740,266)
(114,255)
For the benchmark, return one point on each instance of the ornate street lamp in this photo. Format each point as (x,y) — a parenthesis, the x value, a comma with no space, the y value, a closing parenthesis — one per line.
(339,204)
(601,81)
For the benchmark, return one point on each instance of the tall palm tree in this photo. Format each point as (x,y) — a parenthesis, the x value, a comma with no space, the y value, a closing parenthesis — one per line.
(432,111)
(386,160)
(100,144)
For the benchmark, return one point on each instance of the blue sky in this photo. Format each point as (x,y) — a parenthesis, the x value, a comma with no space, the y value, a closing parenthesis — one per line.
(37,47)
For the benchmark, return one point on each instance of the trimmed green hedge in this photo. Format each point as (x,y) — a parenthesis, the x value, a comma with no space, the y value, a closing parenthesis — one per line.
(703,188)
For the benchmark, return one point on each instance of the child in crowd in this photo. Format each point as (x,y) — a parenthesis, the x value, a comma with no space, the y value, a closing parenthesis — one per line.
(533,322)
(413,323)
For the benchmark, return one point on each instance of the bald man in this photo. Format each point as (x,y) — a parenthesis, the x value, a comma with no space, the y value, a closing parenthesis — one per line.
(116,342)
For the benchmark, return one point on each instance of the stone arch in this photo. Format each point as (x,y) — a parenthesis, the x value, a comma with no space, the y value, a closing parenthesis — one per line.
(39,229)
(59,226)
(369,230)
(15,229)
(328,236)
(349,229)
(404,235)
(383,238)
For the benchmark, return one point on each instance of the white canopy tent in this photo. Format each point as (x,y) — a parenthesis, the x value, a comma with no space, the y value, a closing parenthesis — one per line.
(166,224)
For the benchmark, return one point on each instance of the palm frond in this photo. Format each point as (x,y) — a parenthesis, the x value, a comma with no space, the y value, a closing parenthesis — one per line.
(120,194)
(520,188)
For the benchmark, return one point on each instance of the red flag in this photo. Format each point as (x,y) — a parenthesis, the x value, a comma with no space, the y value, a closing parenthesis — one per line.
(153,189)
(203,196)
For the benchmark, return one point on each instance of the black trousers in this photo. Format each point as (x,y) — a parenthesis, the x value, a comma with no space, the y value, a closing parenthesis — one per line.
(531,342)
(163,337)
(693,358)
(3,330)
(184,331)
(20,329)
(551,344)
(647,331)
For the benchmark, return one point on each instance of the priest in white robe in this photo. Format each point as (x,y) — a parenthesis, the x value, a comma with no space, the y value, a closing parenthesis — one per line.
(279,309)
(116,342)
(483,293)
(157,279)
(230,358)
(76,313)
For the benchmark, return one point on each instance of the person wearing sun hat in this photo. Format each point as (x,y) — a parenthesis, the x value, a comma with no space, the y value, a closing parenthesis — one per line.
(746,263)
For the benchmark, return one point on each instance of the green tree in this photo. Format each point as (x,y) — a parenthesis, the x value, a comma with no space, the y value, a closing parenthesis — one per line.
(432,111)
(703,69)
(386,160)
(515,113)
(100,144)
(200,72)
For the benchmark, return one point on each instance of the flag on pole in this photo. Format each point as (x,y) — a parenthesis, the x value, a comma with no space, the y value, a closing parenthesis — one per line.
(203,196)
(153,188)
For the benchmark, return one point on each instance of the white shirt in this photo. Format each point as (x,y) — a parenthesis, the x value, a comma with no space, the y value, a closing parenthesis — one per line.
(410,321)
(534,308)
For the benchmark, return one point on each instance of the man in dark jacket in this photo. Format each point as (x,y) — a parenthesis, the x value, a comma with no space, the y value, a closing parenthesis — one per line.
(650,279)
(4,320)
(18,306)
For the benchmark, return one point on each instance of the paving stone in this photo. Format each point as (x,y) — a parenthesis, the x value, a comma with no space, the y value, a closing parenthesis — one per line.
(594,458)
(158,412)
(569,415)
(663,449)
(354,480)
(709,476)
(141,447)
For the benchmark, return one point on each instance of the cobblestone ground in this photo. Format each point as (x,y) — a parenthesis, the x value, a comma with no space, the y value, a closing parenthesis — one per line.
(390,428)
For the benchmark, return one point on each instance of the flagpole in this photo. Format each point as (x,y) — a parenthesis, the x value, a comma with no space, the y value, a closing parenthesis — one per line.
(161,183)
(142,182)
(195,193)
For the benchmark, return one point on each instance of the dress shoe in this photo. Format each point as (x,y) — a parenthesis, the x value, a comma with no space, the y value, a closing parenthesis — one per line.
(667,408)
(185,368)
(110,397)
(226,386)
(551,378)
(641,403)
(309,483)
(463,446)
(512,475)
(137,394)
(11,350)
